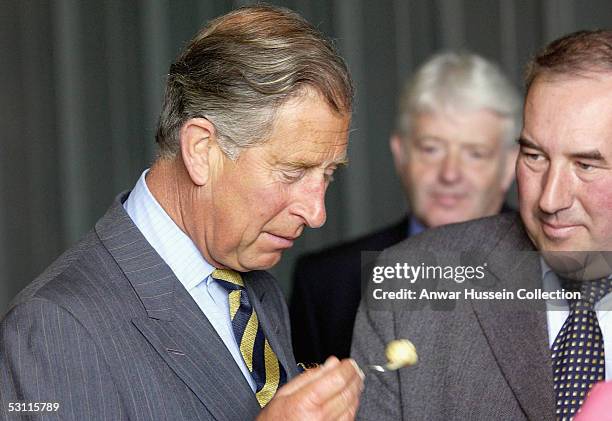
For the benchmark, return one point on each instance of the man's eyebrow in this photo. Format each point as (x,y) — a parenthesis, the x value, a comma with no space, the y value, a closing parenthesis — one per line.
(593,155)
(299,163)
(527,143)
(427,137)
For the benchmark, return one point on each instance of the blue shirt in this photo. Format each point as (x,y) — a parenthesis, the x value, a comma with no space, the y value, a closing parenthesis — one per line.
(181,254)
(415,227)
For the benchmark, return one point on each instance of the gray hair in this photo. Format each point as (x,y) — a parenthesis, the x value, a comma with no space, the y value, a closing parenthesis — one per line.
(461,81)
(241,68)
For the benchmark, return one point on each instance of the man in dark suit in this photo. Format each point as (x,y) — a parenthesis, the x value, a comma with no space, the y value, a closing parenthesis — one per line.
(510,357)
(453,148)
(164,311)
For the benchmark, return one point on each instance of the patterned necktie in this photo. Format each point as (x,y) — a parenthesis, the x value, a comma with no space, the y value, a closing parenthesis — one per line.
(260,359)
(578,350)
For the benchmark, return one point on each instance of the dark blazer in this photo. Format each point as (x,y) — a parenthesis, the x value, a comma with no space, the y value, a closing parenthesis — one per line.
(483,360)
(109,333)
(326,294)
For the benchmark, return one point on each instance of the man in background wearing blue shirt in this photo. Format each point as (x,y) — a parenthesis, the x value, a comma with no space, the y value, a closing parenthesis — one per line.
(454,151)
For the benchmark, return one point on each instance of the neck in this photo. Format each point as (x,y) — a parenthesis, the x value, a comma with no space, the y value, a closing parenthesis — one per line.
(165,180)
(580,265)
(173,188)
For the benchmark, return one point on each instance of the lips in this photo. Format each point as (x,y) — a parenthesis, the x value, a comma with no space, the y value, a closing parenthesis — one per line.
(281,241)
(447,200)
(286,237)
(558,230)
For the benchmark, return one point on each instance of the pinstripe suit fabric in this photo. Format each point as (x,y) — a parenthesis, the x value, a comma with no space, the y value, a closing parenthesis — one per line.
(98,332)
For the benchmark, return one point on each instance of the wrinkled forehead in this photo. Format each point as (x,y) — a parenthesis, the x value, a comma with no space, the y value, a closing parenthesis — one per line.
(312,151)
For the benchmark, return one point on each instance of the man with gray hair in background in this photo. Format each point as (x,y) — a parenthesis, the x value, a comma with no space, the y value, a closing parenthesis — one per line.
(490,352)
(454,151)
(164,311)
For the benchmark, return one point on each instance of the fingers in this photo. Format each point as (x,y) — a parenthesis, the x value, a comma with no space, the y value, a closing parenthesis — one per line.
(337,390)
(307,377)
(344,404)
(329,392)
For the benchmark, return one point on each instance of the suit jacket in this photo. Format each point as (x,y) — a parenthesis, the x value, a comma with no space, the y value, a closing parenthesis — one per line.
(484,360)
(110,333)
(326,294)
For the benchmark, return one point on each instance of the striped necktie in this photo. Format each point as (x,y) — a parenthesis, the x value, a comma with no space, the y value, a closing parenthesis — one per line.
(578,350)
(260,359)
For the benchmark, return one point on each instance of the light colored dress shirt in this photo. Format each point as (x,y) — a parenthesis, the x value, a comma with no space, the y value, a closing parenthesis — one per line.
(558,310)
(181,254)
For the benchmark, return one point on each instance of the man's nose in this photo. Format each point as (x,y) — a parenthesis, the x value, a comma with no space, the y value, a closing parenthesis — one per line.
(557,190)
(310,203)
(450,169)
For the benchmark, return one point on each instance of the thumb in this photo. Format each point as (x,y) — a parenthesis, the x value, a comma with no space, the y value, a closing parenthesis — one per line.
(307,377)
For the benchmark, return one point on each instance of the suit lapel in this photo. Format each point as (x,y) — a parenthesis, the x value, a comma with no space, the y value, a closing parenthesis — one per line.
(174,325)
(205,366)
(517,334)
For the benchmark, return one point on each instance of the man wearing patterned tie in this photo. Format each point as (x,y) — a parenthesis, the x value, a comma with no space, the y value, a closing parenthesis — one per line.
(489,359)
(164,310)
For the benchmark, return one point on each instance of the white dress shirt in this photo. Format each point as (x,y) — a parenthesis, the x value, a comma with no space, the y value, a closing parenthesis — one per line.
(558,310)
(181,254)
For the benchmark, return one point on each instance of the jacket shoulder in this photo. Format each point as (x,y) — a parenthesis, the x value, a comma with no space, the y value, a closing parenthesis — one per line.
(62,265)
(374,241)
(77,281)
(480,234)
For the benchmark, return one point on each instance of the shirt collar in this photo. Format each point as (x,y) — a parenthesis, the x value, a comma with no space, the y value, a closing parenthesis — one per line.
(545,268)
(551,282)
(173,245)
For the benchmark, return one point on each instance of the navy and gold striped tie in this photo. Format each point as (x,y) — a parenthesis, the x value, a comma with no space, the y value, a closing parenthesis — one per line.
(260,359)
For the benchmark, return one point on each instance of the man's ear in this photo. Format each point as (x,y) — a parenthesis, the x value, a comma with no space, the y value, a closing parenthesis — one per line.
(509,167)
(196,136)
(398,150)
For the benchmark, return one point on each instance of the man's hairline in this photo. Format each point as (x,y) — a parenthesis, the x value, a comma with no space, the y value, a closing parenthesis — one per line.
(507,143)
(299,96)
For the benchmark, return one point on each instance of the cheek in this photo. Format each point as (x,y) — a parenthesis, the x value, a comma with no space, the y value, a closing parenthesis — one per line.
(421,174)
(481,178)
(239,213)
(418,185)
(485,181)
(596,199)
(265,204)
(527,185)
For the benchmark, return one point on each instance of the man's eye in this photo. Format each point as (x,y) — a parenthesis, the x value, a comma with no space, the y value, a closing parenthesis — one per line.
(477,155)
(585,167)
(532,156)
(293,176)
(429,149)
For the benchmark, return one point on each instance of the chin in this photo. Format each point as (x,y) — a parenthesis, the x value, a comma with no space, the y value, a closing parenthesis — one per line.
(567,245)
(445,219)
(263,262)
